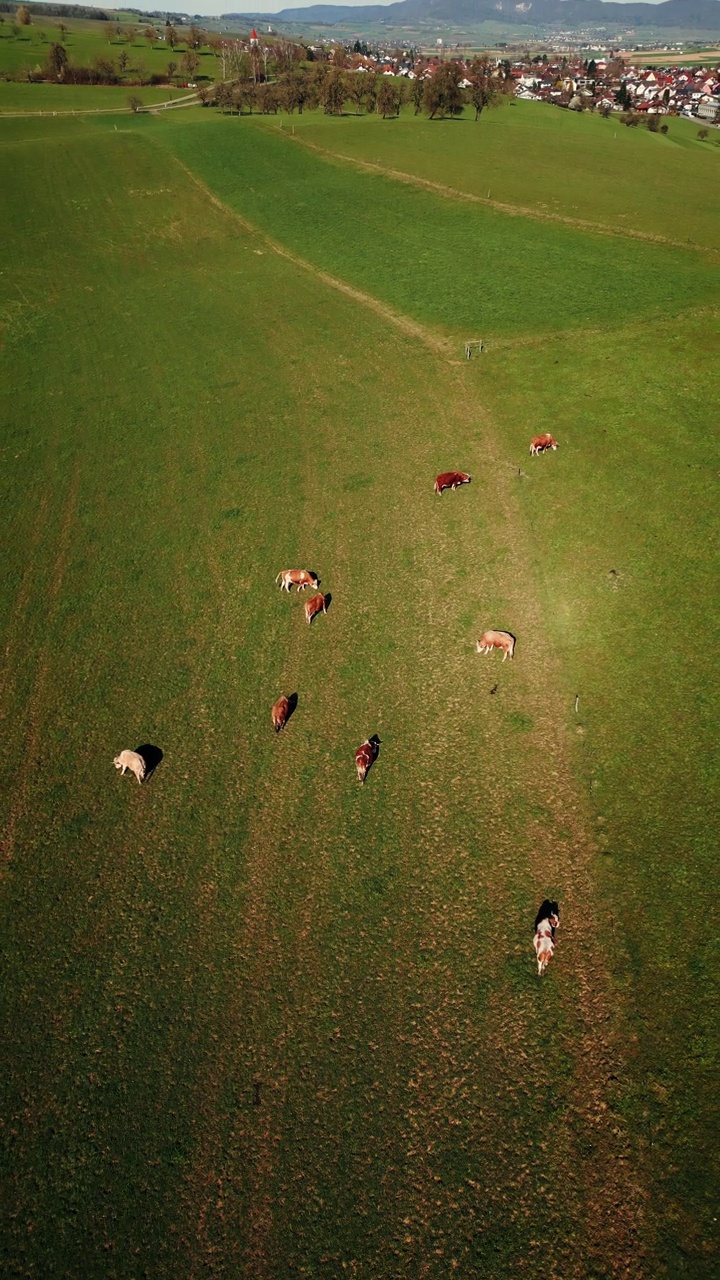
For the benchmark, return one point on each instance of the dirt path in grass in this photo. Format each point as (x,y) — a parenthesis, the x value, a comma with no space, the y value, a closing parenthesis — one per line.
(602,1169)
(513,210)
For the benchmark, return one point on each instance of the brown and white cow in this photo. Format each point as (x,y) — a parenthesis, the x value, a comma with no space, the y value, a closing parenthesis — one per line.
(544,943)
(451,480)
(280,713)
(316,604)
(546,922)
(300,578)
(490,640)
(365,756)
(539,444)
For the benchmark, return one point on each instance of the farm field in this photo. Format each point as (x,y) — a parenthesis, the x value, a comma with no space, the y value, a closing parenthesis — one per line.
(261,1021)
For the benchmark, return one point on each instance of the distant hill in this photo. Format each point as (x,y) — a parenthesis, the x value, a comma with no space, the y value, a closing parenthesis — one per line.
(567,14)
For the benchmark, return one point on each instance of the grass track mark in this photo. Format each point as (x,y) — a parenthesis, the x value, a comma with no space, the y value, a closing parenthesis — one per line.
(615,1193)
(19,608)
(211,1198)
(34,708)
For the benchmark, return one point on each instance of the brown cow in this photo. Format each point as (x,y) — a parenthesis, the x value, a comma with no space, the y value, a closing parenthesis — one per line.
(300,578)
(490,640)
(280,713)
(539,444)
(316,604)
(365,756)
(451,480)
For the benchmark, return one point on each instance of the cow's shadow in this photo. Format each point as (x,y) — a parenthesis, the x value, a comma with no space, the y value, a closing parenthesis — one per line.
(328,601)
(292,704)
(152,757)
(375,744)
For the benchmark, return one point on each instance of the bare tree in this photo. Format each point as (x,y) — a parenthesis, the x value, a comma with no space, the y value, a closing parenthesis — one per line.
(333,93)
(443,95)
(190,63)
(356,90)
(389,98)
(484,87)
(56,62)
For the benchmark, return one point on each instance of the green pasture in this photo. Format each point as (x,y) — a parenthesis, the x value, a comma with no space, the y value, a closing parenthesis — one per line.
(260,1021)
(87,40)
(556,162)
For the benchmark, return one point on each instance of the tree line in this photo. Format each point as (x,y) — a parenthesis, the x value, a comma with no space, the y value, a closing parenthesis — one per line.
(443,94)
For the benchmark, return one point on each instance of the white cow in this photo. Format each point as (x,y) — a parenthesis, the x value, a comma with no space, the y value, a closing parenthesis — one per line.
(132,761)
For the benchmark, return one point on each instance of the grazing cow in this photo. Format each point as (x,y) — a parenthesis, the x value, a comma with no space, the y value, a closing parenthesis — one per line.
(539,444)
(300,578)
(497,640)
(132,761)
(316,604)
(546,922)
(451,480)
(365,756)
(280,713)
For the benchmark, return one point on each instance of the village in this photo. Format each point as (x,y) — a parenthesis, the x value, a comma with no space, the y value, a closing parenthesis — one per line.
(612,85)
(608,84)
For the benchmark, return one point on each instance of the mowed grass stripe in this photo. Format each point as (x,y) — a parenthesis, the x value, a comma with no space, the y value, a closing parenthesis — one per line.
(519,211)
(458,268)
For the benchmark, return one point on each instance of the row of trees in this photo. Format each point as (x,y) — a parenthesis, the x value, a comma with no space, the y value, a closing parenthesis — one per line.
(441,95)
(60,70)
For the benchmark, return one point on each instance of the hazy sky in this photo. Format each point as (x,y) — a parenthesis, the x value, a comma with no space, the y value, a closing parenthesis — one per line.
(260,6)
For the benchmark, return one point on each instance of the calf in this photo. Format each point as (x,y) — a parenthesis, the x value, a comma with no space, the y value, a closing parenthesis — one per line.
(300,578)
(132,761)
(316,604)
(539,444)
(365,756)
(546,922)
(280,713)
(490,640)
(451,480)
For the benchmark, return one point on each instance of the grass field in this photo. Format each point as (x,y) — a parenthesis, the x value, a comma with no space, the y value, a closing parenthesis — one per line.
(554,162)
(60,97)
(260,1021)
